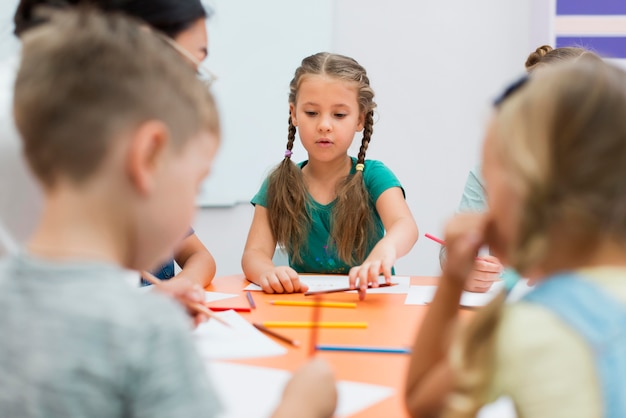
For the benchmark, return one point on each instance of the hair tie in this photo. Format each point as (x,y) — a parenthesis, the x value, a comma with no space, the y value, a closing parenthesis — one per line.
(288,153)
(360,167)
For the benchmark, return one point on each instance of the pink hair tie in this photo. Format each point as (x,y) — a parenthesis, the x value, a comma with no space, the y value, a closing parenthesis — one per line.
(288,153)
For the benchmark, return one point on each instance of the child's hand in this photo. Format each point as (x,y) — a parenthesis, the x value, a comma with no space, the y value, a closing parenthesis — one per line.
(487,270)
(380,260)
(465,234)
(310,393)
(281,279)
(183,290)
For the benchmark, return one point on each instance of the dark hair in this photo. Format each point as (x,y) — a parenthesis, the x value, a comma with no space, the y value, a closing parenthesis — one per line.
(168,16)
(134,77)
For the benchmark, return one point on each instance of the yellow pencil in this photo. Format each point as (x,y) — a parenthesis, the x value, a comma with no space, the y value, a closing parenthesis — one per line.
(313,303)
(309,324)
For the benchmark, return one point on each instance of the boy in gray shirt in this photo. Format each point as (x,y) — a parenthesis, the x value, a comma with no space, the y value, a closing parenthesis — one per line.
(119,133)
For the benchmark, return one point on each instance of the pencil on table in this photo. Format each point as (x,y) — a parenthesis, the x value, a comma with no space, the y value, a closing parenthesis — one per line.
(311,324)
(190,304)
(250,300)
(313,303)
(345,289)
(315,319)
(274,334)
(226,308)
(357,349)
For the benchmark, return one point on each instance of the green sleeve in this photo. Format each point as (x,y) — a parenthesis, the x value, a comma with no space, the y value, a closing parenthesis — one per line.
(378,178)
(261,197)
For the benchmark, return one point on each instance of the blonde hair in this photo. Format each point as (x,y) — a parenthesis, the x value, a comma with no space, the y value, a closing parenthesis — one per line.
(563,135)
(352,221)
(87,77)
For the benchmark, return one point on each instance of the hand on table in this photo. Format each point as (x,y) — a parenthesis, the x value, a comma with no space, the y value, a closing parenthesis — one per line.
(282,279)
(310,393)
(380,261)
(486,271)
(184,291)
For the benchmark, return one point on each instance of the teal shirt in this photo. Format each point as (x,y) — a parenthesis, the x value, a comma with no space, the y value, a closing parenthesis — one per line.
(319,254)
(474,200)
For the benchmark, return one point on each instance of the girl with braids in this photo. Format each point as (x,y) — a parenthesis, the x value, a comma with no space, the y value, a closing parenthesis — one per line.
(330,212)
(555,170)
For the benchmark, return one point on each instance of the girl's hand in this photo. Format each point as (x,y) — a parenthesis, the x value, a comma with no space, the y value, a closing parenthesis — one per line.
(310,393)
(486,270)
(465,234)
(281,279)
(380,261)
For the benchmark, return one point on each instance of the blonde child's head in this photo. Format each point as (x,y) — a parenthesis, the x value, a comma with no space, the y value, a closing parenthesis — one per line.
(545,55)
(104,104)
(352,221)
(562,143)
(555,172)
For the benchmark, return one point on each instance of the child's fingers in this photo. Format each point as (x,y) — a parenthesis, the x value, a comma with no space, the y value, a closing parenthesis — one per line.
(353,276)
(266,284)
(284,281)
(387,265)
(373,272)
(487,266)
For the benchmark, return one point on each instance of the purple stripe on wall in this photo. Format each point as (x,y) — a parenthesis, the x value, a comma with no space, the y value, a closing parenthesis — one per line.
(591,7)
(610,47)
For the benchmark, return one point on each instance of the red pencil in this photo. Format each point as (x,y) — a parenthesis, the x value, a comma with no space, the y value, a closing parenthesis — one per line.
(224,308)
(434,238)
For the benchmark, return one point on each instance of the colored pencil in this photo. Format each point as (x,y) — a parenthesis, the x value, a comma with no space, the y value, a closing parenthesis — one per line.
(315,319)
(355,349)
(274,334)
(442,242)
(434,238)
(311,324)
(345,289)
(198,307)
(225,308)
(313,303)
(250,300)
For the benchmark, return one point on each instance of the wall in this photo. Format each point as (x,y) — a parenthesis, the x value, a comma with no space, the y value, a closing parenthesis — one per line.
(435,67)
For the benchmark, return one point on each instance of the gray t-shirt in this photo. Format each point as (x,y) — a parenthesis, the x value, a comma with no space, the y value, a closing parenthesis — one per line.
(77,341)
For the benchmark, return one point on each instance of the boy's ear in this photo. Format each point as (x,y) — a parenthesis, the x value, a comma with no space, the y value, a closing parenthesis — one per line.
(148,143)
(292,112)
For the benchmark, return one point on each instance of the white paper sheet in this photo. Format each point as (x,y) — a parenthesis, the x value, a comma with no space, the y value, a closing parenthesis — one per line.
(254,392)
(328,282)
(213,296)
(503,407)
(216,341)
(422,295)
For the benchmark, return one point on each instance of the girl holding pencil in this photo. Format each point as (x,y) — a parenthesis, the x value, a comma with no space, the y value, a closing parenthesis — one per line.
(333,213)
(555,170)
(488,268)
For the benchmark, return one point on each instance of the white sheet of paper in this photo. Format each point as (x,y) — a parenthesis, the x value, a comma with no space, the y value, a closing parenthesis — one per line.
(216,341)
(333,281)
(503,407)
(213,296)
(422,295)
(254,392)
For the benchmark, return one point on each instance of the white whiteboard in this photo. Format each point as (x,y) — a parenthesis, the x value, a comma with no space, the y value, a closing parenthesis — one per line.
(254,48)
